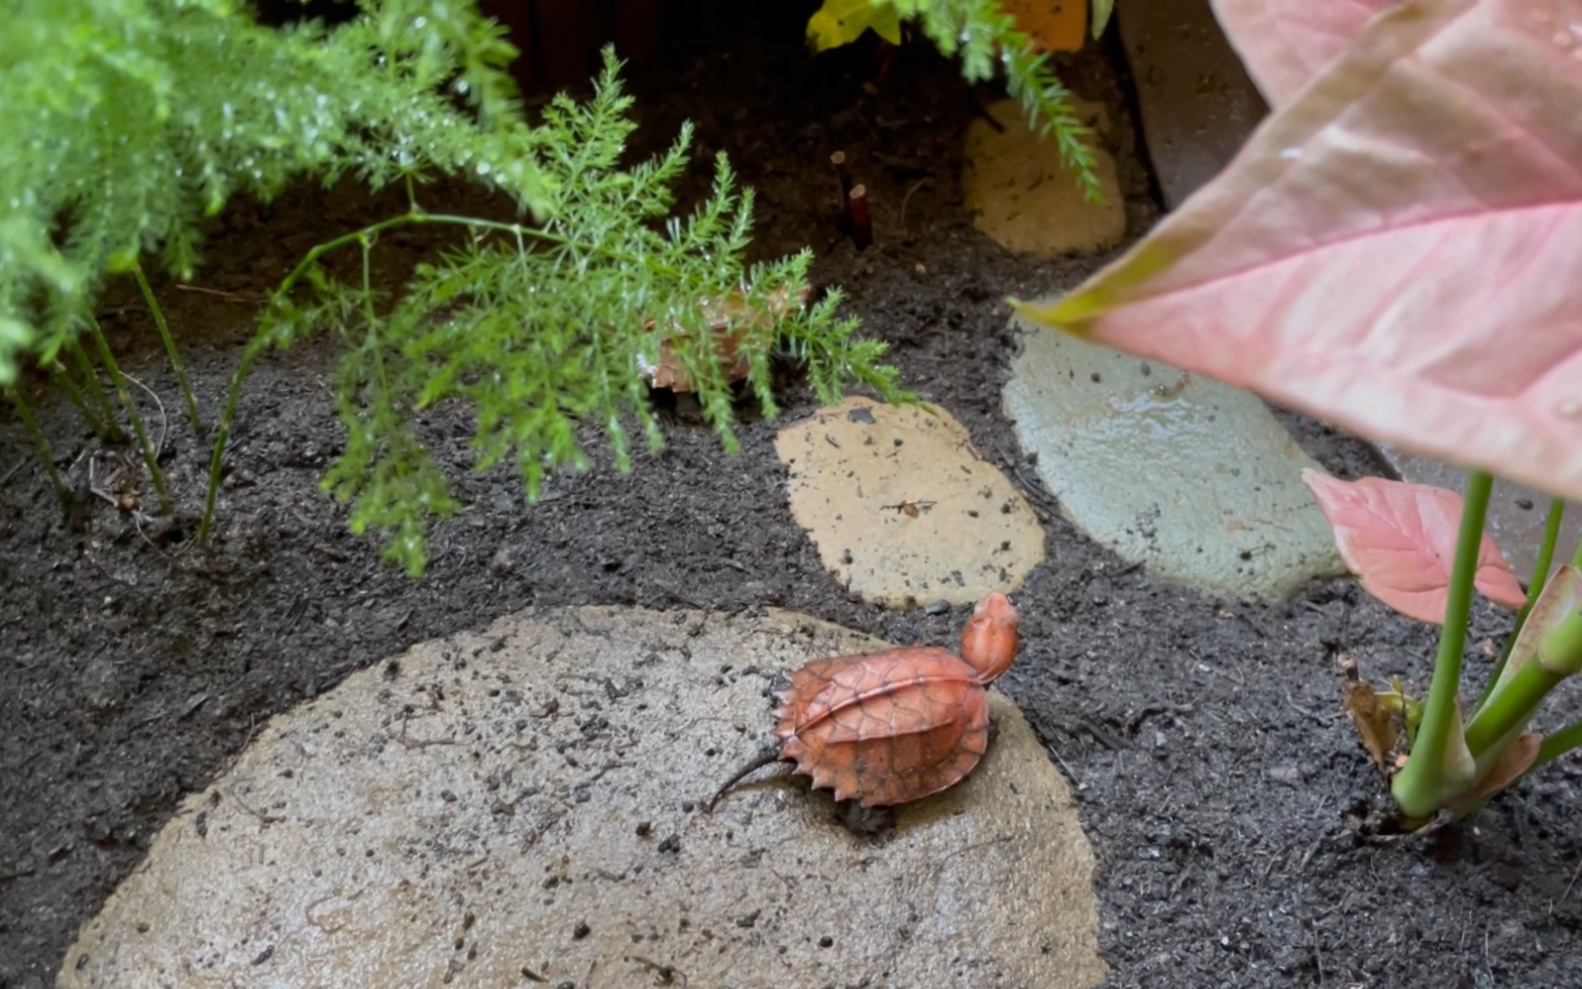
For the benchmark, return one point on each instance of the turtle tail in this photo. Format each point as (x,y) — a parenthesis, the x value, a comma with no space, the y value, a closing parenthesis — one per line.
(770,754)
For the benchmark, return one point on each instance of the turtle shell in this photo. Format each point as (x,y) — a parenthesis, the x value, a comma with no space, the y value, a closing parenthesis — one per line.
(885,728)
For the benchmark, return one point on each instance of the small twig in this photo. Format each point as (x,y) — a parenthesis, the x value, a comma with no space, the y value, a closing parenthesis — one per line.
(265,819)
(164,419)
(838,159)
(1173,710)
(99,492)
(1075,779)
(1567,894)
(253,298)
(8,475)
(667,973)
(973,847)
(861,219)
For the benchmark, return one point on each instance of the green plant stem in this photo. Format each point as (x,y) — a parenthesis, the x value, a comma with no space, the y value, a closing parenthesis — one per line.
(366,237)
(255,347)
(170,348)
(417,217)
(40,444)
(1421,787)
(1511,707)
(63,379)
(1557,744)
(1535,587)
(112,431)
(150,455)
(371,317)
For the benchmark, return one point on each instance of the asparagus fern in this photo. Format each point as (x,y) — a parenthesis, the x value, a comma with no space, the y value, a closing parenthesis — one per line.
(124,123)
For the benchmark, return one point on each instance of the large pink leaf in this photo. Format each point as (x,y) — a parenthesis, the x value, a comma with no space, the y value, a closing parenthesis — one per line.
(1286,43)
(1398,251)
(1401,539)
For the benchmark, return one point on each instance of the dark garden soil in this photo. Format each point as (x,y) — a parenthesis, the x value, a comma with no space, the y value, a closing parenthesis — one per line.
(1222,788)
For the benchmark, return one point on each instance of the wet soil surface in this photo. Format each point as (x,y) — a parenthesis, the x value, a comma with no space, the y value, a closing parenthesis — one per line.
(1223,789)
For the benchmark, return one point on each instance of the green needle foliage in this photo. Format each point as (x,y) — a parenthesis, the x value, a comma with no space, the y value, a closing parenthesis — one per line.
(542,328)
(124,123)
(983,35)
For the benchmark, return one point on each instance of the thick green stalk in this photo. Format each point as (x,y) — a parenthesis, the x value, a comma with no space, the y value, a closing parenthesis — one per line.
(170,348)
(150,455)
(40,444)
(112,432)
(1421,787)
(1535,587)
(1512,706)
(1557,744)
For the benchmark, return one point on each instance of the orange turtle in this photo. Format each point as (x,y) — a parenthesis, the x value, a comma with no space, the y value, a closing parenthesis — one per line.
(889,727)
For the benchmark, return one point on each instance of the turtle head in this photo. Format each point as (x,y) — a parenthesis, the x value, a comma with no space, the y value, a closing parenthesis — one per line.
(989,641)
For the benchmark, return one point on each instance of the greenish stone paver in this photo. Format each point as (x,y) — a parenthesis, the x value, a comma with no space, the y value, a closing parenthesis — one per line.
(1196,480)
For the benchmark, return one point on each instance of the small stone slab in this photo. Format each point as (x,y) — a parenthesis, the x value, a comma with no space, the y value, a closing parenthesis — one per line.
(1516,512)
(1196,480)
(903,509)
(1022,195)
(1199,106)
(519,808)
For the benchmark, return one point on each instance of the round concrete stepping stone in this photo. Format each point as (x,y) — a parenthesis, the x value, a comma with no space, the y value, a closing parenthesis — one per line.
(1023,196)
(518,808)
(1196,480)
(903,509)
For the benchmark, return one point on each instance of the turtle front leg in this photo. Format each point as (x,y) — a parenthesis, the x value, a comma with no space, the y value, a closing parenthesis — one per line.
(769,755)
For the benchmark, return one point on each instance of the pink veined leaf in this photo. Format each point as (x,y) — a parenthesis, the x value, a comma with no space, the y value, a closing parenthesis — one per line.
(1287,43)
(1401,540)
(1395,251)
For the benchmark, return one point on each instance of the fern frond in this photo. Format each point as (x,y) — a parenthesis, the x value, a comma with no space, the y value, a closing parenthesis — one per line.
(123,123)
(982,34)
(541,329)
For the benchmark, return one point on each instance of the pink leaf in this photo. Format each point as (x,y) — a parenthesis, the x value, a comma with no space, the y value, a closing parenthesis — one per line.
(1401,540)
(1396,251)
(1286,43)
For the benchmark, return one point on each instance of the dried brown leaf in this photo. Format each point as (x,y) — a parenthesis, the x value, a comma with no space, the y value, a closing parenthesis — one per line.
(732,321)
(1373,721)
